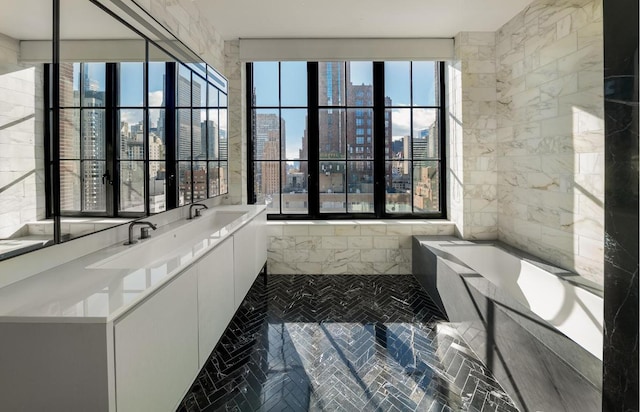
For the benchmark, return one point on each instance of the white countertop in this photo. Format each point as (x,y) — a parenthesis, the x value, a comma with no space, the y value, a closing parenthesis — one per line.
(94,288)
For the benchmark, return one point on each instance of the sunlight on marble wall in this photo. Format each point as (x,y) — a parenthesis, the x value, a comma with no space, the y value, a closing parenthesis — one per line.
(471,122)
(551,133)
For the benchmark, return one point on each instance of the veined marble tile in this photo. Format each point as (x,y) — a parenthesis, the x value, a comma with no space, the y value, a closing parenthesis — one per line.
(334,242)
(296,255)
(360,242)
(321,255)
(308,242)
(373,255)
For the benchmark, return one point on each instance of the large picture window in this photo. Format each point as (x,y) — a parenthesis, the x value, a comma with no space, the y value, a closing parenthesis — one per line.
(346,139)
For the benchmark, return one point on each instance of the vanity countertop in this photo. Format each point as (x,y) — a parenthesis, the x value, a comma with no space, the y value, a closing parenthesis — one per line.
(101,286)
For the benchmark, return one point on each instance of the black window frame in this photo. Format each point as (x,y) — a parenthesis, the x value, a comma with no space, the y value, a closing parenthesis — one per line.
(112,108)
(379,159)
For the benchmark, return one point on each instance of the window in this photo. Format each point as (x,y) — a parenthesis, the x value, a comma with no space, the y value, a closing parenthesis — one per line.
(346,139)
(122,140)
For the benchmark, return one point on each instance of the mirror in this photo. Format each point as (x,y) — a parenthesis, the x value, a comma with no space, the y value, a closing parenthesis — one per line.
(23,202)
(142,122)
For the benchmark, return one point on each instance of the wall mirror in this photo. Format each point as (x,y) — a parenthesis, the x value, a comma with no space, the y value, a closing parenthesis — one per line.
(142,123)
(24,223)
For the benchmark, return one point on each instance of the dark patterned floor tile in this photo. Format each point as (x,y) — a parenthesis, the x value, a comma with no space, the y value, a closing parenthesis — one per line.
(342,343)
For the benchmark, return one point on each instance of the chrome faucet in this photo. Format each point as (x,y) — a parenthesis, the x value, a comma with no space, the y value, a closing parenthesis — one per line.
(199,206)
(140,223)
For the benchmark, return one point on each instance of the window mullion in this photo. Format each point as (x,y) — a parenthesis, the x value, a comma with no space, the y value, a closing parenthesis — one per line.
(314,139)
(112,132)
(379,137)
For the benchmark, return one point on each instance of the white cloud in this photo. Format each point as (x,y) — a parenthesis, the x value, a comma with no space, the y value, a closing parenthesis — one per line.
(131,116)
(401,119)
(156,98)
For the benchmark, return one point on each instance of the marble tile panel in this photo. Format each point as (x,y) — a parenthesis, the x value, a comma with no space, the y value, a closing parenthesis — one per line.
(321,255)
(334,242)
(321,230)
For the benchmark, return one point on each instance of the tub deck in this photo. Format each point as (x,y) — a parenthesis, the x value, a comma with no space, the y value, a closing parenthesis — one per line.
(539,365)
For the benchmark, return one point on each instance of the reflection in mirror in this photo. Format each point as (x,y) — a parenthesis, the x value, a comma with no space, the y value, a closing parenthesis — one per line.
(23,207)
(102,120)
(142,124)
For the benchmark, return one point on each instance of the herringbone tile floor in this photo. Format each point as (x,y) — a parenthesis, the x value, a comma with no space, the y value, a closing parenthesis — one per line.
(342,343)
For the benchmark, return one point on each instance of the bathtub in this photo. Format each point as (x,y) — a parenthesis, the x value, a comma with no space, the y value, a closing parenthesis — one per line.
(536,326)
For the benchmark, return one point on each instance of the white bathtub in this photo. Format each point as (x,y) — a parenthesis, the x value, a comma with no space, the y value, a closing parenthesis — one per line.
(572,310)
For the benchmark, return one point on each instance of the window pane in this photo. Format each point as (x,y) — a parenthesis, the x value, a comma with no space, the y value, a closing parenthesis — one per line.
(224,177)
(69,84)
(94,190)
(266,134)
(70,134)
(426,187)
(184,87)
(294,137)
(131,134)
(199,134)
(200,182)
(333,196)
(295,194)
(214,179)
(93,134)
(266,185)
(331,84)
(157,135)
(360,133)
(131,84)
(157,73)
(199,92)
(224,142)
(132,186)
(223,100)
(425,133)
(333,133)
(212,135)
(397,84)
(70,185)
(157,187)
(425,81)
(184,134)
(294,83)
(184,183)
(398,187)
(213,97)
(400,120)
(265,84)
(93,88)
(360,187)
(360,83)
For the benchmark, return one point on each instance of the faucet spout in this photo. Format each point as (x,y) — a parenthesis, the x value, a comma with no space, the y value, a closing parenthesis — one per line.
(131,240)
(197,207)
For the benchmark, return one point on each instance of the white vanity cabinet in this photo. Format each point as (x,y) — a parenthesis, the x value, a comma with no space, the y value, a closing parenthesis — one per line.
(97,335)
(215,297)
(250,254)
(156,348)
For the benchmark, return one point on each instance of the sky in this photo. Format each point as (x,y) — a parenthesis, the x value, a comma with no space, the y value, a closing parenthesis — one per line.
(131,87)
(293,92)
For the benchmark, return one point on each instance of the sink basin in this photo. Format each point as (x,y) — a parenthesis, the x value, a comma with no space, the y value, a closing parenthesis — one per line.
(176,247)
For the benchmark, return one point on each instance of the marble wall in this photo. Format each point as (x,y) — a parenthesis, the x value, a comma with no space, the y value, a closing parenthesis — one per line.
(21,142)
(471,122)
(550,119)
(184,20)
(620,375)
(346,247)
(235,72)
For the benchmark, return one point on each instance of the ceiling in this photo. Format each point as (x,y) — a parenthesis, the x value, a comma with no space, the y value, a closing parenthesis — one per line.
(79,19)
(356,18)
